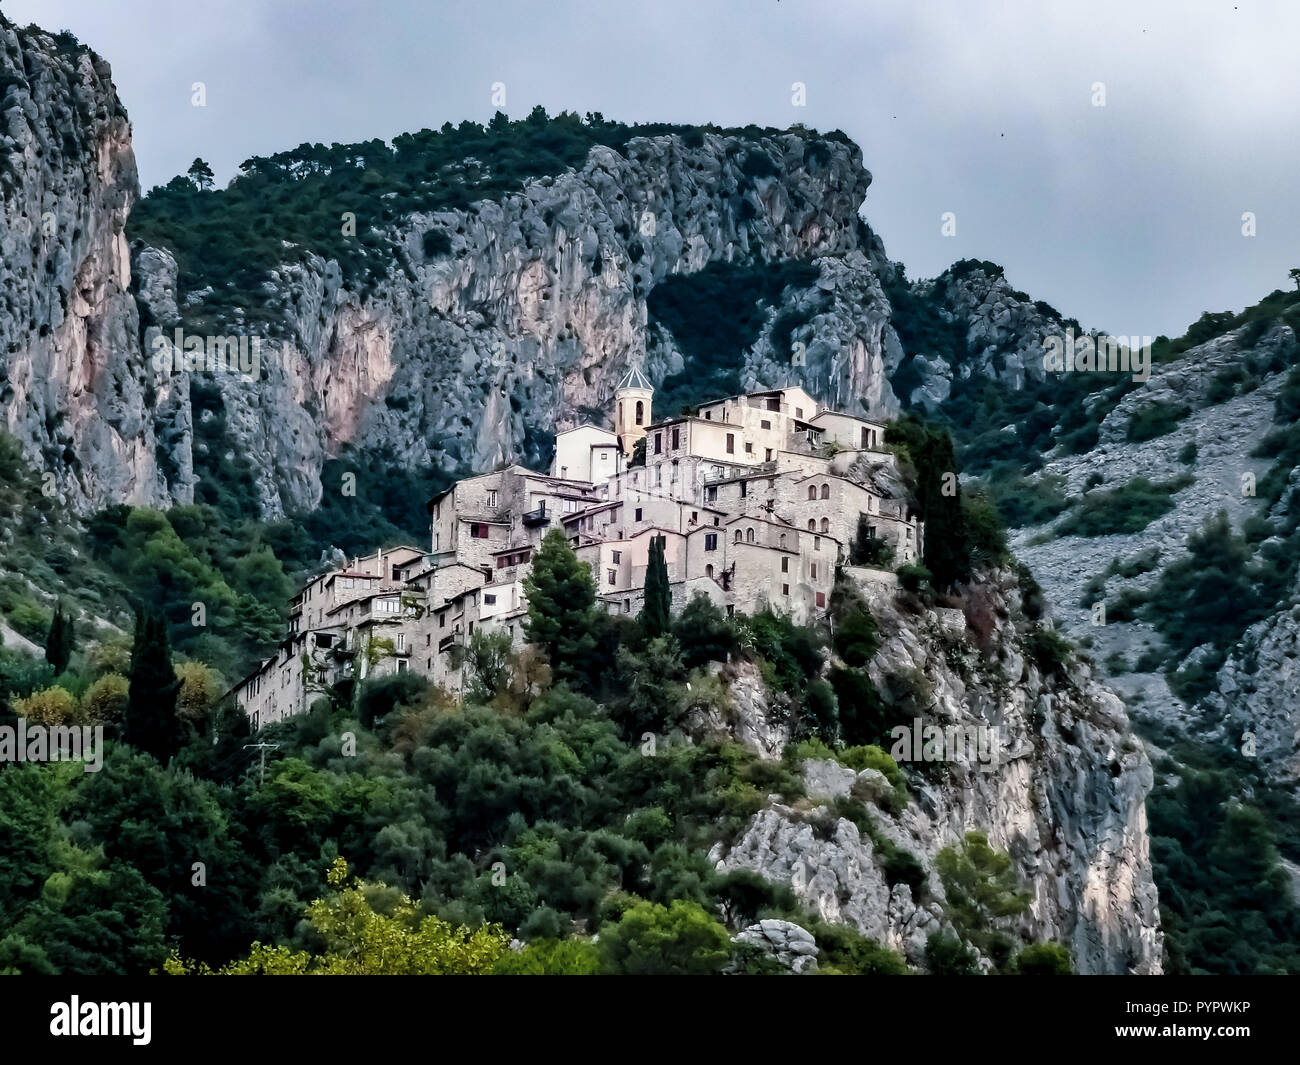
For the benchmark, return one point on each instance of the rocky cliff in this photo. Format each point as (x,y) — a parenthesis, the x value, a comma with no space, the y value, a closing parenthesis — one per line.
(74,388)
(1060,788)
(466,358)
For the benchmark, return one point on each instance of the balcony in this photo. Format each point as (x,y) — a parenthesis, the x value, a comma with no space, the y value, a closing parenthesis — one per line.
(534,518)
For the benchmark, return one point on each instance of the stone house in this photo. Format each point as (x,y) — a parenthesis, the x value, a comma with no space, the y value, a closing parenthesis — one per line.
(758,499)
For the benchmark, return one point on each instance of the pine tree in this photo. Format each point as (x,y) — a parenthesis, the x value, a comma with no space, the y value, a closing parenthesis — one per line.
(201,174)
(562,616)
(655,614)
(58,641)
(151,723)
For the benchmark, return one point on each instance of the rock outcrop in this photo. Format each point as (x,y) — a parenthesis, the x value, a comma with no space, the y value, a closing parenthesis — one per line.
(75,389)
(1063,795)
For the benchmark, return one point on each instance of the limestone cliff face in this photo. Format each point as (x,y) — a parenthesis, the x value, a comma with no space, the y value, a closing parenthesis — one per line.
(1001,332)
(1256,689)
(469,358)
(74,389)
(1063,796)
(457,360)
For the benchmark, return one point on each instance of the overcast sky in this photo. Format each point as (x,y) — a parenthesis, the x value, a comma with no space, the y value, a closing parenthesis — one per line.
(1127,216)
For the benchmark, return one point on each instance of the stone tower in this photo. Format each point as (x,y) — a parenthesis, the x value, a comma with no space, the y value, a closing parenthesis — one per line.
(632,396)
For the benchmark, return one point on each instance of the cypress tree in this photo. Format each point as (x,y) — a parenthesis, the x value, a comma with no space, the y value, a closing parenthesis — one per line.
(151,723)
(938,497)
(58,646)
(562,618)
(655,614)
(69,638)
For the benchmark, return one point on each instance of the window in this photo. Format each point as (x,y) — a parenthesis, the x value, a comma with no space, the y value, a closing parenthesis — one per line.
(613,576)
(478,531)
(812,525)
(782,540)
(564,472)
(821,599)
(442,620)
(814,571)
(710,495)
(765,424)
(826,491)
(731,443)
(785,565)
(798,412)
(812,491)
(826,525)
(618,557)
(492,497)
(817,543)
(708,571)
(738,536)
(749,536)
(785,589)
(638,513)
(428,639)
(677,439)
(489,599)
(640,412)
(749,448)
(695,517)
(866,438)
(659,443)
(673,475)
(769,454)
(744,489)
(659,475)
(627,606)
(710,541)
(401,641)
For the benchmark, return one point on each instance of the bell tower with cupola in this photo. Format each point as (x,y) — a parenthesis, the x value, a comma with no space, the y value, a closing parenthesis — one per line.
(632,397)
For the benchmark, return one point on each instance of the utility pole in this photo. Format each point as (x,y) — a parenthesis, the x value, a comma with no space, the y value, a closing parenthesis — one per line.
(263,746)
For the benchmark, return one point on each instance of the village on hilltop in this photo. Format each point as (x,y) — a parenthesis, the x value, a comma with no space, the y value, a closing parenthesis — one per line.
(758,499)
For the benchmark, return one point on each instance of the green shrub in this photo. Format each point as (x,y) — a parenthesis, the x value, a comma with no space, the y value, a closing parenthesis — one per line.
(1155,419)
(1124,510)
(1043,959)
(947,955)
(1049,650)
(912,576)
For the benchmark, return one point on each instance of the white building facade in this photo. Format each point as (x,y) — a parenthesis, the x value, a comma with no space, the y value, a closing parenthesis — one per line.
(759,499)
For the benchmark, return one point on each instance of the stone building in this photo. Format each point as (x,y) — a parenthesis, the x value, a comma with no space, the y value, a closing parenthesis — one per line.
(758,498)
